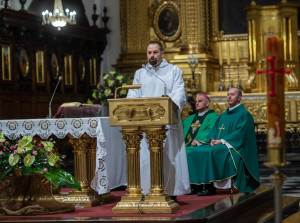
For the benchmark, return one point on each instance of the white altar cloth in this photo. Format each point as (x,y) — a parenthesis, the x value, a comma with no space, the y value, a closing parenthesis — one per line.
(105,178)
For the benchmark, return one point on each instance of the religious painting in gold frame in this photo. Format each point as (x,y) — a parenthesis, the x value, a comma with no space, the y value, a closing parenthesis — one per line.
(167,21)
(6,63)
(39,67)
(81,68)
(93,72)
(54,66)
(24,62)
(68,69)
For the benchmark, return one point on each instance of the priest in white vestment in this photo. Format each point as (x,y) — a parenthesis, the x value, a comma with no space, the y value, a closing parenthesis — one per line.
(153,78)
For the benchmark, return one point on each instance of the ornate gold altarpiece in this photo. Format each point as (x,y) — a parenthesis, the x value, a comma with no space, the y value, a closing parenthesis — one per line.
(135,116)
(198,32)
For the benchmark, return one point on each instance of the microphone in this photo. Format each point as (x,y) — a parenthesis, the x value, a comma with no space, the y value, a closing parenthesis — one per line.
(165,85)
(50,115)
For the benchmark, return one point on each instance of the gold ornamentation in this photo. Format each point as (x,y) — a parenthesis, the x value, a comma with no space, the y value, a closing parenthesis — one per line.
(138,113)
(132,138)
(195,126)
(156,137)
(156,201)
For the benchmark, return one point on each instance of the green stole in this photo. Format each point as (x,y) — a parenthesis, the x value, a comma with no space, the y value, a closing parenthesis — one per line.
(194,129)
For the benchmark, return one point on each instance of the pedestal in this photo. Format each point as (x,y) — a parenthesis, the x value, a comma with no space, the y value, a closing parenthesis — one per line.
(149,115)
(84,149)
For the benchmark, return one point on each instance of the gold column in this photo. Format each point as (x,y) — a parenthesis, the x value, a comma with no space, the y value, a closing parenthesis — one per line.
(91,159)
(84,150)
(155,138)
(157,201)
(130,202)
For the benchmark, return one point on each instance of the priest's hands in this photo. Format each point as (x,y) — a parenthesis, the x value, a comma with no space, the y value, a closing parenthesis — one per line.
(196,143)
(215,142)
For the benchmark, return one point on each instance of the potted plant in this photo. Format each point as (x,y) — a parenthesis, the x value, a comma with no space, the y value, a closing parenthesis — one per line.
(106,88)
(34,156)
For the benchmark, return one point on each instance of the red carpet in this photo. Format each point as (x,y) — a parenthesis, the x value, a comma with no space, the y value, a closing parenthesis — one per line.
(188,204)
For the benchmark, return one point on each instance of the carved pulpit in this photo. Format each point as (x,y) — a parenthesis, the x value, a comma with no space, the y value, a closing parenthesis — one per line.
(135,116)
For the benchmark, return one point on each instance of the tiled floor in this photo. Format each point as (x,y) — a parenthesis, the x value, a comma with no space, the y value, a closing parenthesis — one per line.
(291,184)
(290,187)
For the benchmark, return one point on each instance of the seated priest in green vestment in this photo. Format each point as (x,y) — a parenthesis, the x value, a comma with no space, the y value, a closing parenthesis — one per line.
(197,126)
(229,160)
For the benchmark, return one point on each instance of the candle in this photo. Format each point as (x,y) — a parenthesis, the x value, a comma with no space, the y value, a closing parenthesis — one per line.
(275,101)
(237,57)
(228,54)
(220,54)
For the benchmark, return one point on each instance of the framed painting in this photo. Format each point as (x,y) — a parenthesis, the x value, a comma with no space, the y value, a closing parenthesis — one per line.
(54,67)
(40,67)
(24,63)
(6,63)
(68,69)
(167,21)
(81,68)
(93,72)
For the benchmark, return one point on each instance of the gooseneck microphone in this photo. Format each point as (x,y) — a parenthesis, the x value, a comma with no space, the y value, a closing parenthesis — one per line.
(165,85)
(50,115)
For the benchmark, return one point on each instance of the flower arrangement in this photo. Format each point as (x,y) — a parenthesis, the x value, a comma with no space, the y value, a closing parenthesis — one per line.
(35,156)
(106,88)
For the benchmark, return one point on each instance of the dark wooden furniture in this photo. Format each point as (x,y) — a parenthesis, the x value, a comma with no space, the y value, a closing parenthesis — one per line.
(33,56)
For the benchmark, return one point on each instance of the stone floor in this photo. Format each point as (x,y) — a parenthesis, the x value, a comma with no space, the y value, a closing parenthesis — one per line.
(291,184)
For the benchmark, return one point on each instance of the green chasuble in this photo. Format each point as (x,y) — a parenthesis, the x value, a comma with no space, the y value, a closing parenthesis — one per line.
(213,163)
(198,127)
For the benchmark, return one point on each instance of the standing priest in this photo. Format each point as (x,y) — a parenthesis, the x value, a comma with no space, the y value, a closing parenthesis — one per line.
(230,158)
(155,77)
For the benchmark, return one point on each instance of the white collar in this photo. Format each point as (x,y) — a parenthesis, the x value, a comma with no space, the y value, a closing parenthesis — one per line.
(203,113)
(234,107)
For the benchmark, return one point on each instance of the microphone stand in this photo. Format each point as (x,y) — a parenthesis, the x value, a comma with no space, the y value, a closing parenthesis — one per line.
(50,115)
(165,85)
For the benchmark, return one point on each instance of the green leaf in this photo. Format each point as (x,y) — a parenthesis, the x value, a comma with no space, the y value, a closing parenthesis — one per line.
(119,77)
(2,137)
(49,175)
(53,159)
(94,95)
(105,76)
(13,159)
(58,176)
(48,146)
(6,172)
(25,143)
(28,160)
(26,170)
(89,101)
(110,83)
(123,92)
(107,92)
(99,95)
